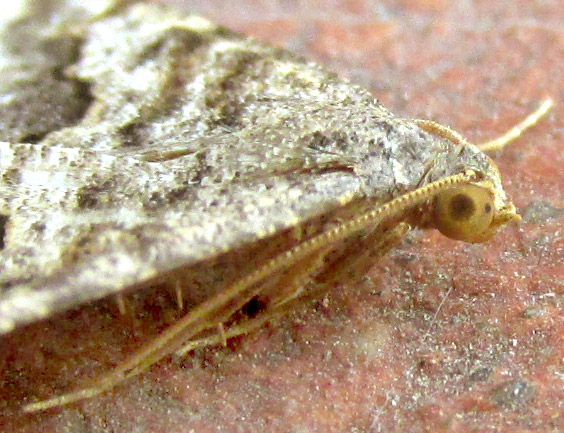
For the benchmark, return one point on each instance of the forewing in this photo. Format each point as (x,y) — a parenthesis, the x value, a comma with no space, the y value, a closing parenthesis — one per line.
(195,142)
(83,224)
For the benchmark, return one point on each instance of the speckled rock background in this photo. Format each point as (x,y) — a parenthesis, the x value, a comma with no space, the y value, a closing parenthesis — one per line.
(442,336)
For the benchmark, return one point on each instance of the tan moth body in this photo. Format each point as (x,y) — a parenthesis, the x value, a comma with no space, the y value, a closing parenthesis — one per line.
(229,172)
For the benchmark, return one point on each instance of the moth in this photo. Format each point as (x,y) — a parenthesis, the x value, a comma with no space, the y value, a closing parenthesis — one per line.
(172,153)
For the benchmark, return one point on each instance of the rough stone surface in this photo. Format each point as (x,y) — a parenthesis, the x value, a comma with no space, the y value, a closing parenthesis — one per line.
(382,356)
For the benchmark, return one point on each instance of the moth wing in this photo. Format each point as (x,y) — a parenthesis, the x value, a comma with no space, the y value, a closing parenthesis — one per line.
(83,224)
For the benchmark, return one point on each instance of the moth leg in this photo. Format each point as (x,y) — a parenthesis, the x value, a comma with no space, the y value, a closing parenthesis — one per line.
(352,265)
(193,323)
(250,325)
(497,143)
(373,245)
(223,305)
(288,287)
(296,277)
(285,279)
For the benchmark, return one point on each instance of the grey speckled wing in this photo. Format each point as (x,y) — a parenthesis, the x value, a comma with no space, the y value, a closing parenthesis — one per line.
(190,141)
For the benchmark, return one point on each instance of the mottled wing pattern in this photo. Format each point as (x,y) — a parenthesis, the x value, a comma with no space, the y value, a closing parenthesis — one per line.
(195,141)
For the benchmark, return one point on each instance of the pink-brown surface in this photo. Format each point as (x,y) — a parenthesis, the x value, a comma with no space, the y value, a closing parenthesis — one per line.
(443,336)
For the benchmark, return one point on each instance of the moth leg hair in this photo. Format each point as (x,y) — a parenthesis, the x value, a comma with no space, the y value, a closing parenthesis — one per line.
(225,303)
(493,145)
(126,309)
(221,333)
(178,295)
(121,304)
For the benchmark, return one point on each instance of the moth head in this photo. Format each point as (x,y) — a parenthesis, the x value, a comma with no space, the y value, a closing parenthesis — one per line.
(471,212)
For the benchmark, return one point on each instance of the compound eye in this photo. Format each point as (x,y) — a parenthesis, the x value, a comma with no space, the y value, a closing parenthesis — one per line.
(465,213)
